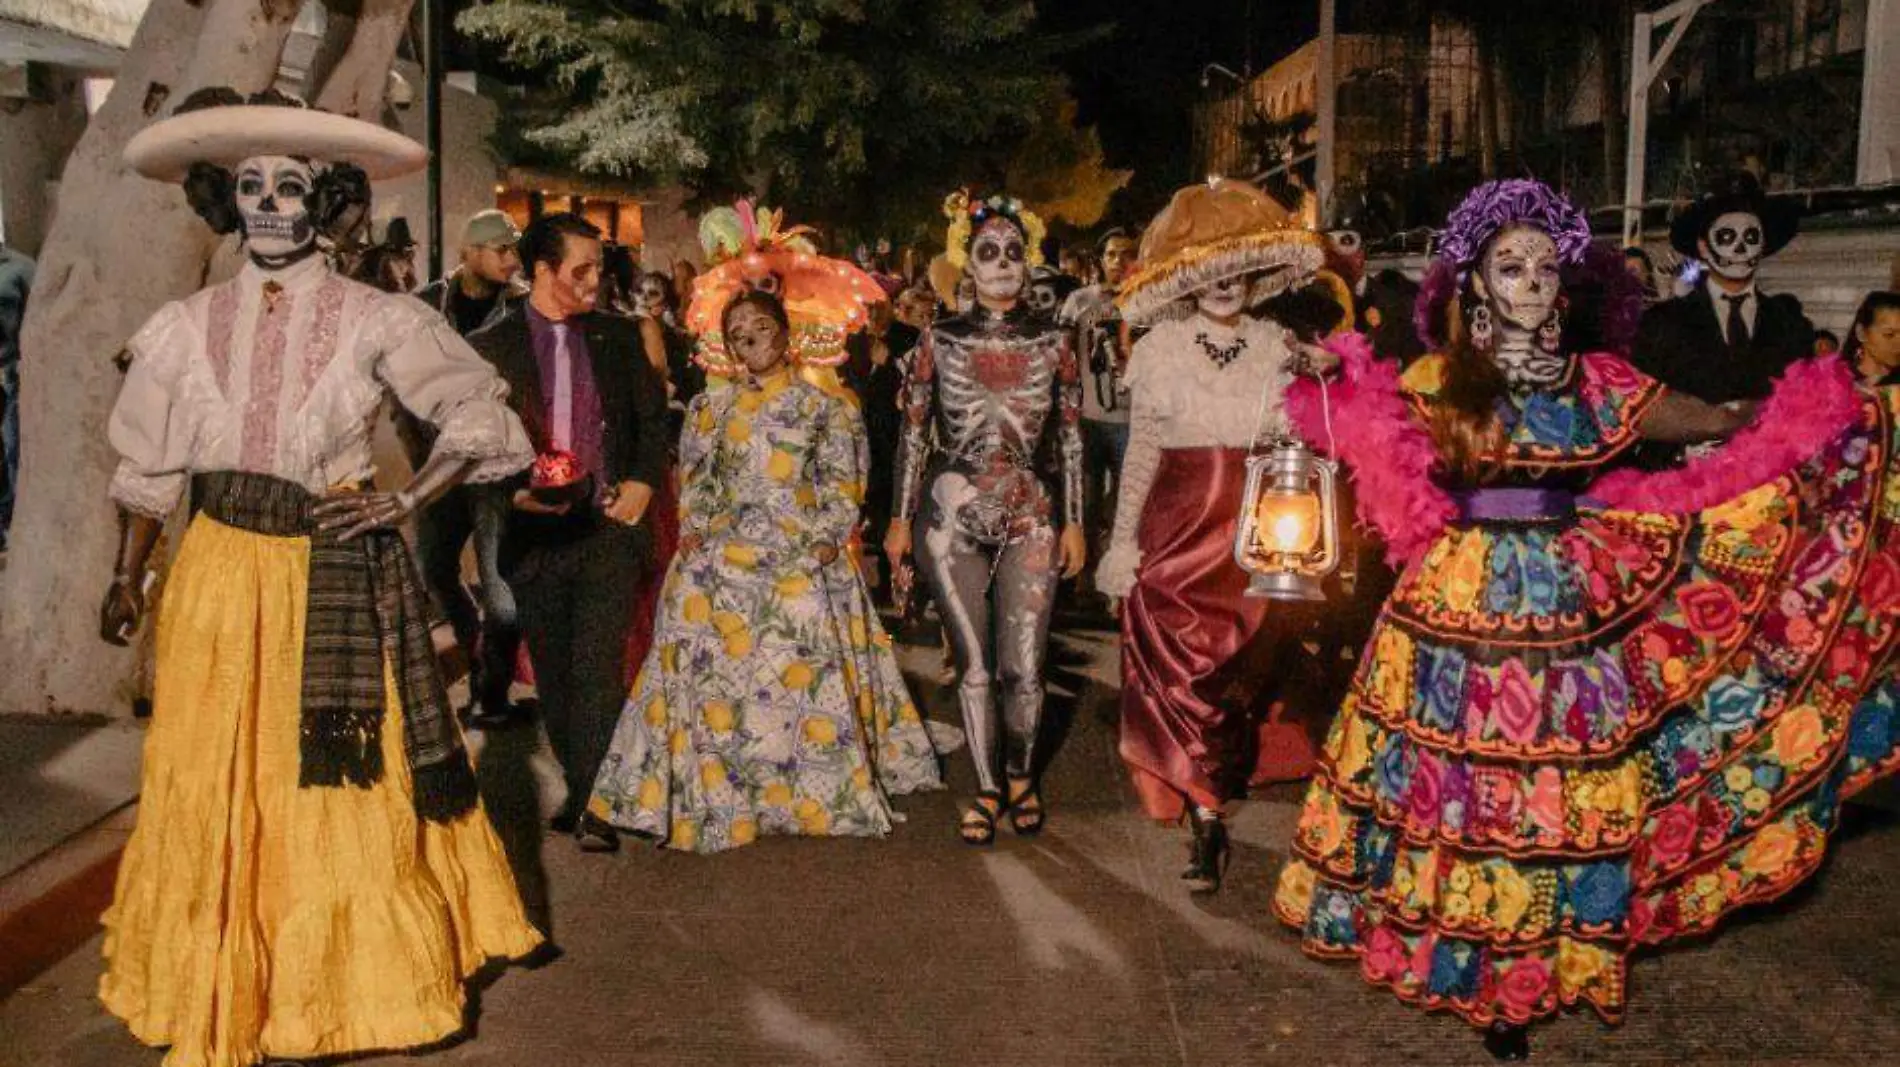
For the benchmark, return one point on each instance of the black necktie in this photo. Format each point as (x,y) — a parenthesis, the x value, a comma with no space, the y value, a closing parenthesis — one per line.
(1737,326)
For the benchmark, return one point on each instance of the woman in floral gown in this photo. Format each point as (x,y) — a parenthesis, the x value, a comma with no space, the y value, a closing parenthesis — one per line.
(771,701)
(1600,711)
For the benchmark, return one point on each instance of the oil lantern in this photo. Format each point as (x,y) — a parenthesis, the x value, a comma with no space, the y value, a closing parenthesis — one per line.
(1289,522)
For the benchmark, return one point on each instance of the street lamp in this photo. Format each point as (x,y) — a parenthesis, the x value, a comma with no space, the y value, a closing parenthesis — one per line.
(1215,68)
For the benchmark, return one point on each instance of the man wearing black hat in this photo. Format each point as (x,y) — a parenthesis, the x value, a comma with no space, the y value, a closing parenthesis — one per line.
(1726,340)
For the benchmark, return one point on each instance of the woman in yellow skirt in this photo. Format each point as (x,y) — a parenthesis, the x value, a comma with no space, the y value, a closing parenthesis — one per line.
(312,873)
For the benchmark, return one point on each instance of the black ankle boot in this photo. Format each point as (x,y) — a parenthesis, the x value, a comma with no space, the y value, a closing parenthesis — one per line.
(1207,855)
(1508,1041)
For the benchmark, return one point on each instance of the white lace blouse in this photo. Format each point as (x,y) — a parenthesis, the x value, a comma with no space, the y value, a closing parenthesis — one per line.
(282,372)
(1184,398)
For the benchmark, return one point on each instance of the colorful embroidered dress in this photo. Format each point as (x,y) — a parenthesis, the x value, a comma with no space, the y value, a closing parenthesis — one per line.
(1580,731)
(771,701)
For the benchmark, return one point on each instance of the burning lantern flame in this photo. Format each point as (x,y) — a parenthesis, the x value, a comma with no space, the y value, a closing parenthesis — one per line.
(1289,530)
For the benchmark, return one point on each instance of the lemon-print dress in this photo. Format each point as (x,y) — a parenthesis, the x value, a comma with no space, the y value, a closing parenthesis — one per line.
(771,702)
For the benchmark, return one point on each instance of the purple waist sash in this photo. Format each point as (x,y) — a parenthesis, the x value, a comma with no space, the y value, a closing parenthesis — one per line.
(1477,506)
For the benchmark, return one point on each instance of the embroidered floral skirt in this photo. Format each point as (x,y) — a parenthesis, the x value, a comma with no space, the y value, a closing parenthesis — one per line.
(254,918)
(771,703)
(1569,742)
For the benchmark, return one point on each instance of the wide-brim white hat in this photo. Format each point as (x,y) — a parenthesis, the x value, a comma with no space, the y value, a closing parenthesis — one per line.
(228,135)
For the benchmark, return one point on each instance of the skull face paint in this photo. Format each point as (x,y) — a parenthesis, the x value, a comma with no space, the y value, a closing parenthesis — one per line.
(1222,300)
(756,338)
(1735,245)
(999,262)
(273,199)
(1044,293)
(1518,277)
(650,297)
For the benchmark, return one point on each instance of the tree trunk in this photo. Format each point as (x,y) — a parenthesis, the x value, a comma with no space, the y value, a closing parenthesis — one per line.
(350,74)
(121,247)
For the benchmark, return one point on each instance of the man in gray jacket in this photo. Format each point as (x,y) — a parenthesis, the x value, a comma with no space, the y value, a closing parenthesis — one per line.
(477,294)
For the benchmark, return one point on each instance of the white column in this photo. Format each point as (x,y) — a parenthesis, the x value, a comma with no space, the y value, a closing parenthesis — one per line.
(1878,159)
(1636,157)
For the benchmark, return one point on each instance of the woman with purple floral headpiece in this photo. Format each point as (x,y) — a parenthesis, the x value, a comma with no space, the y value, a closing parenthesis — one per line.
(1602,709)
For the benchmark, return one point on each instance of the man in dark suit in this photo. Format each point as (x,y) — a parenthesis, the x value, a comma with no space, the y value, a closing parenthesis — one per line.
(581,385)
(1726,340)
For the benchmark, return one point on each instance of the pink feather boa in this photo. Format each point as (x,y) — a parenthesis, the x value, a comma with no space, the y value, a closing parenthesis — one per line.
(1392,458)
(1813,403)
(1390,454)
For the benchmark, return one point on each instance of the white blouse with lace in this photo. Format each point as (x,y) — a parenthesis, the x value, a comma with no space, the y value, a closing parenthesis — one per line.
(282,372)
(1185,398)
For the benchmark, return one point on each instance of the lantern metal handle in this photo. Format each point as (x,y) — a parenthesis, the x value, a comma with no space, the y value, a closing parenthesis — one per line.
(1284,432)
(1328,472)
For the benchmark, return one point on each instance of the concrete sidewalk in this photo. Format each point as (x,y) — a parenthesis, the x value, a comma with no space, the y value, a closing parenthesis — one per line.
(67,786)
(1078,947)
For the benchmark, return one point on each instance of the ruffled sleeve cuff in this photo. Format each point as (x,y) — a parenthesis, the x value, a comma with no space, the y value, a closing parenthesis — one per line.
(152,495)
(483,428)
(1115,574)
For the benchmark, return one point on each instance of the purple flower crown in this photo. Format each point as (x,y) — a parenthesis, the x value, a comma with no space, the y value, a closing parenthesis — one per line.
(1494,205)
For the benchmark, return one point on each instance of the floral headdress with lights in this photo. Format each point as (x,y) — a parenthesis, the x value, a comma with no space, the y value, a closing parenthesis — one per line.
(968,216)
(750,247)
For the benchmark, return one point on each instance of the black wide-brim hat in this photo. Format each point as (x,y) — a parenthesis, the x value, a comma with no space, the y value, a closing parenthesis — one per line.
(1735,191)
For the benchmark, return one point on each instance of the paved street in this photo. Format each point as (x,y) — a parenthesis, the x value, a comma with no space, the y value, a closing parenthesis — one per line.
(1076,948)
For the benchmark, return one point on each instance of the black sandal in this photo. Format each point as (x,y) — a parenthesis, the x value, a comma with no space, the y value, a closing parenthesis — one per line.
(1026,813)
(978,825)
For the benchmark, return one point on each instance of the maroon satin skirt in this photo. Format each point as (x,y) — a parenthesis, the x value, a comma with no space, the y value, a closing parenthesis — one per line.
(1187,689)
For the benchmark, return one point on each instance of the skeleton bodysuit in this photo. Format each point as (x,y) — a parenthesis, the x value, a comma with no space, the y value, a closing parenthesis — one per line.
(994,389)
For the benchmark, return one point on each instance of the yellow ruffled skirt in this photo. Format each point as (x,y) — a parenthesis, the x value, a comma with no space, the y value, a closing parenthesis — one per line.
(253,918)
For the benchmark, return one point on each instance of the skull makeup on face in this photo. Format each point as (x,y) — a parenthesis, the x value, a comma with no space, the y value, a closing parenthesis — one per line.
(1735,245)
(649,298)
(1042,290)
(1223,299)
(999,261)
(1518,277)
(273,198)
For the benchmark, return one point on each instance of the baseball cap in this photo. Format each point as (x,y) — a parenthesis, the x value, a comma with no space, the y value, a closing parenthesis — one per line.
(489,228)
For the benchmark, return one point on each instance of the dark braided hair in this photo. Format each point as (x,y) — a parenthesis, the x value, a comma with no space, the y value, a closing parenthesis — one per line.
(211,190)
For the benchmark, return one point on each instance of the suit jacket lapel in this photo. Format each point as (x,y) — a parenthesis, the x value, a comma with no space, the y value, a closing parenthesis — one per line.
(1707,330)
(514,342)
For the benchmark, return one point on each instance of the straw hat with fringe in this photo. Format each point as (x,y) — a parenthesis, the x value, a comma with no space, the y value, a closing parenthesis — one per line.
(1215,231)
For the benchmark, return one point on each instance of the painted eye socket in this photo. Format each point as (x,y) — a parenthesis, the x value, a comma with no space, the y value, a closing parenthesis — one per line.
(1015,251)
(292,190)
(1751,236)
(250,185)
(1726,236)
(988,251)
